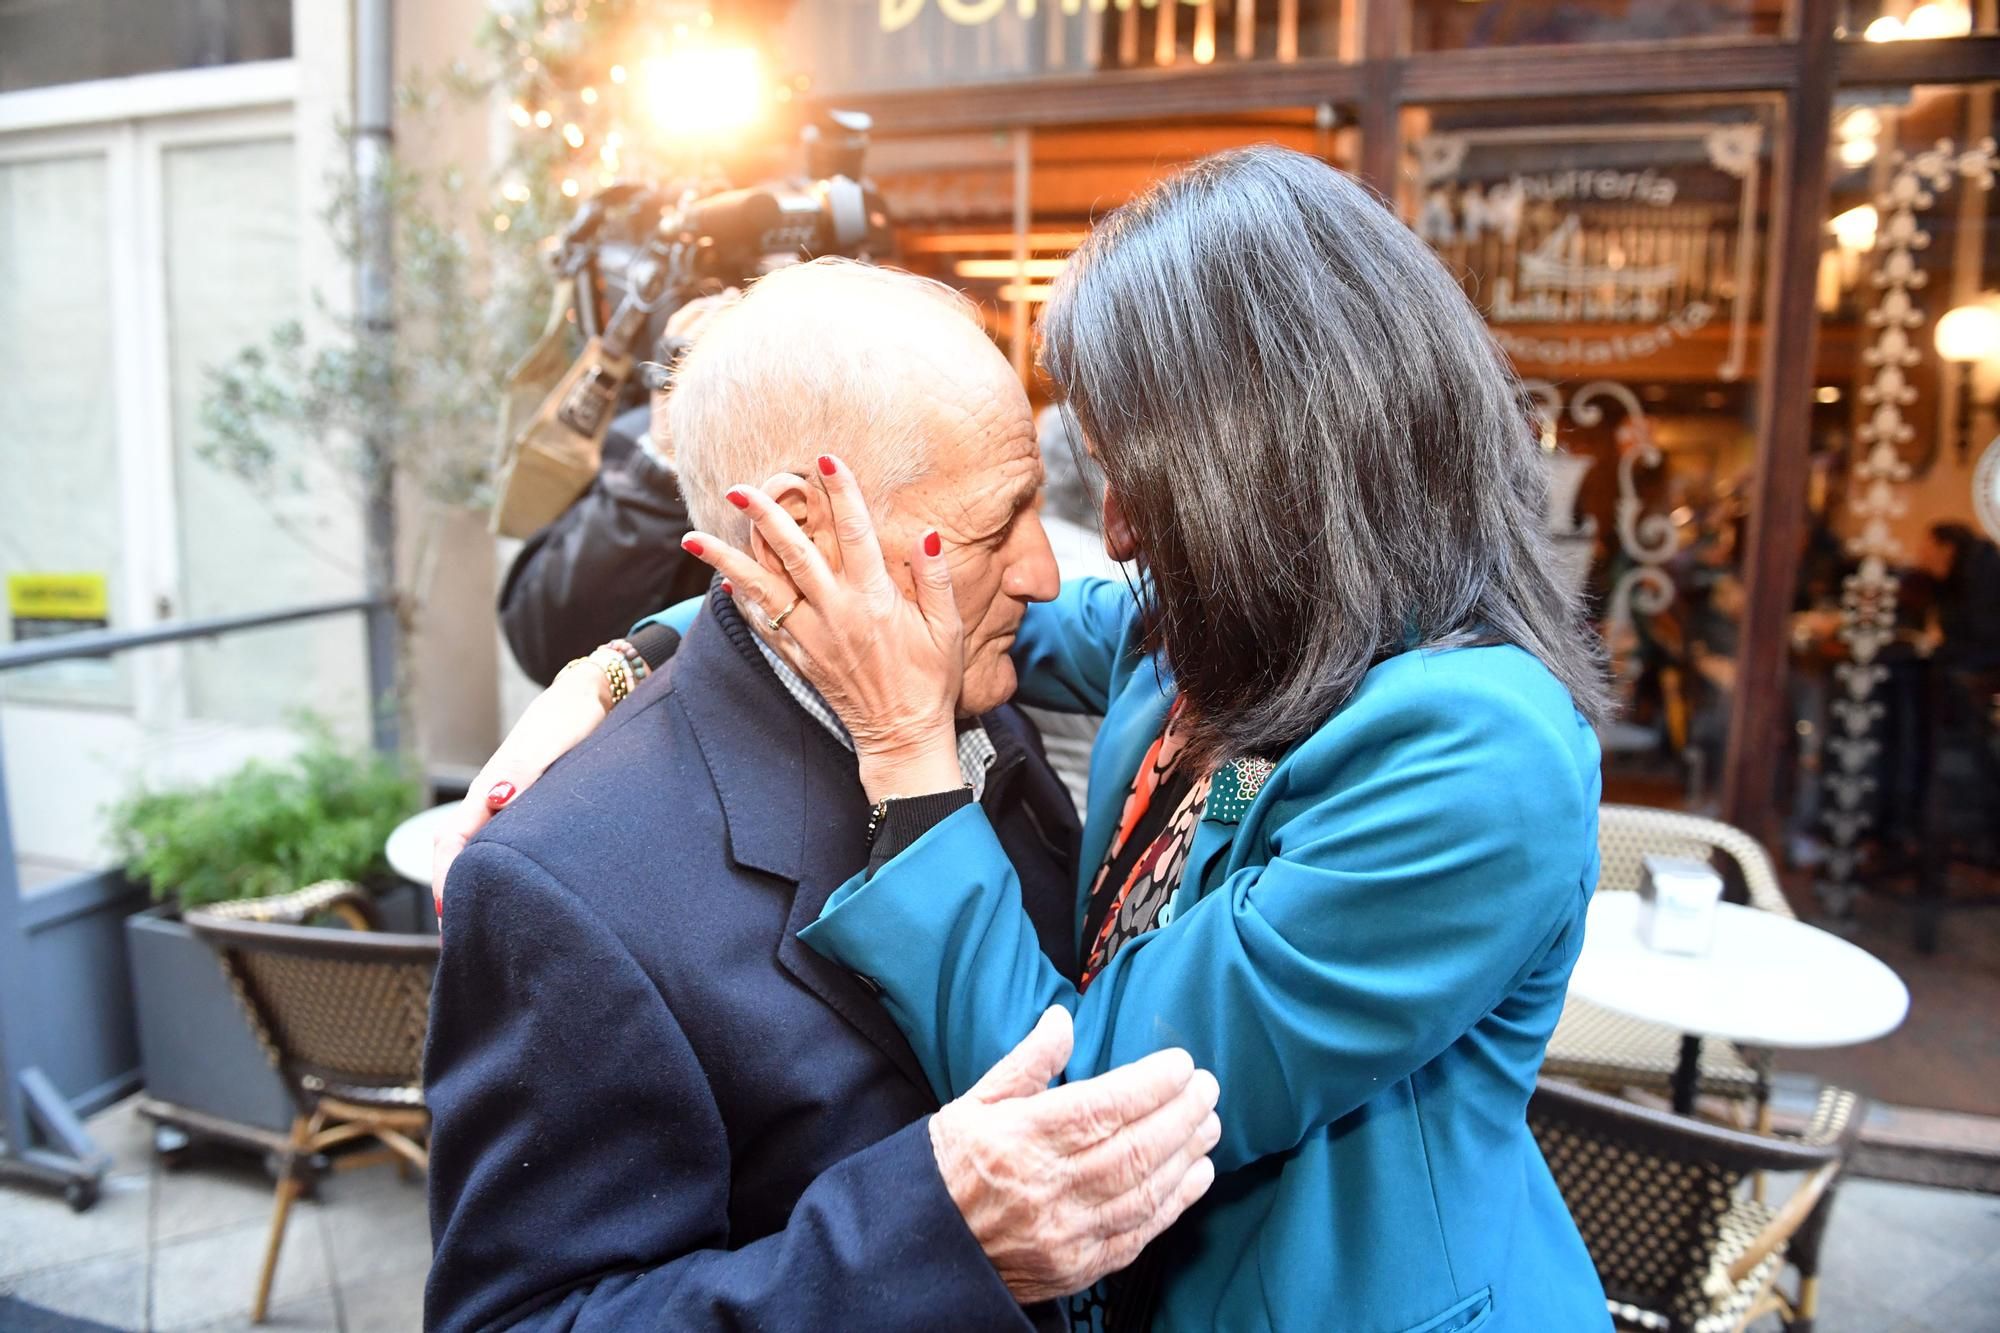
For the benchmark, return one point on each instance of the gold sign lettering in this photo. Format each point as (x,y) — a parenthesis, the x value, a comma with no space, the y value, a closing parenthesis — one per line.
(898,14)
(970,12)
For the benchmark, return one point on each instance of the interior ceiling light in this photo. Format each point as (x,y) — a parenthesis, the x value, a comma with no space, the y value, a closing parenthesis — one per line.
(1855,229)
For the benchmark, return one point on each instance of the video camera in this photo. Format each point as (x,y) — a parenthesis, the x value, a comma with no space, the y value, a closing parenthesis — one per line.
(634,254)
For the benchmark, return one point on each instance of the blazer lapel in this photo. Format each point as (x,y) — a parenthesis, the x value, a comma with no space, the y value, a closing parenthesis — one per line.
(791,801)
(842,991)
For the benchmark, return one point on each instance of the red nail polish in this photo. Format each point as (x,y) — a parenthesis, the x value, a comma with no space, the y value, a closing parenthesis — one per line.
(691,546)
(825,465)
(739,499)
(933,544)
(499,794)
(728,588)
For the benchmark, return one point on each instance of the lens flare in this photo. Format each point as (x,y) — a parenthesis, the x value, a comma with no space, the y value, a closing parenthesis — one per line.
(702,91)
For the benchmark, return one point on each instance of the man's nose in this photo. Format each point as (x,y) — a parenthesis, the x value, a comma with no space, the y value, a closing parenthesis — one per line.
(1031,568)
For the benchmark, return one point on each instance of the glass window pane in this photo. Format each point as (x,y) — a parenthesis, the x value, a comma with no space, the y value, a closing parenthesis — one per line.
(951,197)
(232,220)
(1896,665)
(74,41)
(872,45)
(1890,773)
(59,473)
(1618,257)
(1450,25)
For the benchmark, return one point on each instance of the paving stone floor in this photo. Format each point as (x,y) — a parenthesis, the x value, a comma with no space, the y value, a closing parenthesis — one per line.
(179,1249)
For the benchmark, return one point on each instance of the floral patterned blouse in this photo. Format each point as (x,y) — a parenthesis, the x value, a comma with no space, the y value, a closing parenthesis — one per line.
(1142,866)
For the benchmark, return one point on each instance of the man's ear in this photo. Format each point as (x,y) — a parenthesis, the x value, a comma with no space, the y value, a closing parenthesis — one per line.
(806,502)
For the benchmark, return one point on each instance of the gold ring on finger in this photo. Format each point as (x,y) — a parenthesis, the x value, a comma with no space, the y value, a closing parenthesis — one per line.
(777,622)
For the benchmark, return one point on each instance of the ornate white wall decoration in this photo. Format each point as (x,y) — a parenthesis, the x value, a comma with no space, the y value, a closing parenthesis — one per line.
(1647,540)
(1868,598)
(1738,150)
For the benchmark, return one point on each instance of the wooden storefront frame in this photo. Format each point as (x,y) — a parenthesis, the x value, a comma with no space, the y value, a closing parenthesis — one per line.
(1803,70)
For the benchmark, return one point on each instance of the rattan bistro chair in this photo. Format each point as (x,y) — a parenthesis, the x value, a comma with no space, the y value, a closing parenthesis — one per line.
(1595,1046)
(1662,1203)
(342,1014)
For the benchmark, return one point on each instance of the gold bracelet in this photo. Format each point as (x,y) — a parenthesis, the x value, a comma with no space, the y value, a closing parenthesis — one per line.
(611,677)
(617,671)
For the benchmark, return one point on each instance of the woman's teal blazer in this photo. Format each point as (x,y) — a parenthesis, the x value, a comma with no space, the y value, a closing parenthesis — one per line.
(1369,950)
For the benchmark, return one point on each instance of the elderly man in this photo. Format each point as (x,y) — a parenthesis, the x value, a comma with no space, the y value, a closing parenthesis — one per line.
(653,1106)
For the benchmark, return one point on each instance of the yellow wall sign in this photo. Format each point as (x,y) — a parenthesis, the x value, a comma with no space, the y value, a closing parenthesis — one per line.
(43,604)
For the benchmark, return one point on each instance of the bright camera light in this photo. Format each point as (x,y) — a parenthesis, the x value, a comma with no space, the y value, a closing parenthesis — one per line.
(1856,152)
(1888,28)
(704,91)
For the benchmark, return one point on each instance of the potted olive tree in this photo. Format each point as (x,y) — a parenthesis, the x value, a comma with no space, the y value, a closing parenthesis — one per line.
(268,828)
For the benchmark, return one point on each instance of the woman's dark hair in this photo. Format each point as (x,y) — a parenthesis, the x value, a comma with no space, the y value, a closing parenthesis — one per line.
(1324,459)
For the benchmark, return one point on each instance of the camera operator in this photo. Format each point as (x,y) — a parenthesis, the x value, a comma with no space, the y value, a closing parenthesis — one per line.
(615,555)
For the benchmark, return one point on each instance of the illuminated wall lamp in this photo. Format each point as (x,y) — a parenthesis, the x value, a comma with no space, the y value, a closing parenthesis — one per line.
(1007,269)
(1840,267)
(1939,18)
(1966,336)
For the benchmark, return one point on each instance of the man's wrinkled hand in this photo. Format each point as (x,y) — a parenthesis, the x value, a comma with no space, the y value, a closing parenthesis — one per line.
(1061,1186)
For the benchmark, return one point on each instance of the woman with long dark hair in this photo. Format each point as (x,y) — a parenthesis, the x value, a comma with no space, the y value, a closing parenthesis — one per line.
(1342,831)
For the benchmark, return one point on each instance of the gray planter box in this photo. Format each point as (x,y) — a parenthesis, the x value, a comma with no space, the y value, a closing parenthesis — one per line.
(198,1051)
(204,1069)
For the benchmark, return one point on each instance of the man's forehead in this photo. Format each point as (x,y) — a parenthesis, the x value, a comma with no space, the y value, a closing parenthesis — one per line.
(1004,483)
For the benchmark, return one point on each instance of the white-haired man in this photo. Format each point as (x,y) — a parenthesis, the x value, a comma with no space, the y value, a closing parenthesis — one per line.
(655,1107)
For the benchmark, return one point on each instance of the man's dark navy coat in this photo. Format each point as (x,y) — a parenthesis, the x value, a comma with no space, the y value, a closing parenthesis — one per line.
(655,1108)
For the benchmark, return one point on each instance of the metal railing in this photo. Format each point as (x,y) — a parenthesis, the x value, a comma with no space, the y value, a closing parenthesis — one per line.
(45,1139)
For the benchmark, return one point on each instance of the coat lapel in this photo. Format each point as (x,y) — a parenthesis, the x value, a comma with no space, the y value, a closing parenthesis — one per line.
(790,801)
(840,989)
(1233,792)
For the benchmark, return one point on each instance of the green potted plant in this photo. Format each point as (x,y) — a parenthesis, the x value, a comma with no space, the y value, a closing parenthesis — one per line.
(269,828)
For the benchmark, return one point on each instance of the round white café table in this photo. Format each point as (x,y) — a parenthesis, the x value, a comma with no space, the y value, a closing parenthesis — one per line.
(409,846)
(1768,980)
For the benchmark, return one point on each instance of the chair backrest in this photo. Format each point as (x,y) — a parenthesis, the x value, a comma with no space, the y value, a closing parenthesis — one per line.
(335,1009)
(1650,1191)
(1627,834)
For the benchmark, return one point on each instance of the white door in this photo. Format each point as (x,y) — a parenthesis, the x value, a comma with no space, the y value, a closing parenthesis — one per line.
(136,255)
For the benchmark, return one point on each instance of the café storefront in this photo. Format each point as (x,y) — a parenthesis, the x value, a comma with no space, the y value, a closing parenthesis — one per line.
(1744,256)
